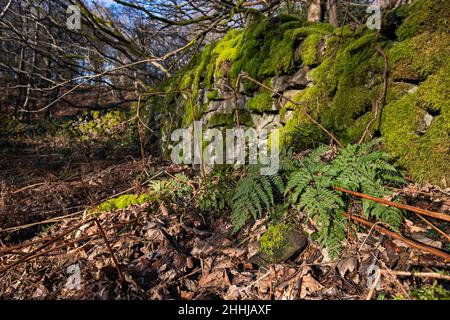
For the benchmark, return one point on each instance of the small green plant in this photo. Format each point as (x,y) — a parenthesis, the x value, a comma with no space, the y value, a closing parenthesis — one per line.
(96,125)
(174,189)
(211,200)
(254,194)
(431,292)
(356,167)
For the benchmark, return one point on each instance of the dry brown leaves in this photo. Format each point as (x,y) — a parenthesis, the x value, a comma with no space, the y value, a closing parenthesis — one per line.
(167,256)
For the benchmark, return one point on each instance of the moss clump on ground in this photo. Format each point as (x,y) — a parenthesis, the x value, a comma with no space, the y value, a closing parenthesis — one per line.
(122,202)
(425,154)
(260,102)
(274,238)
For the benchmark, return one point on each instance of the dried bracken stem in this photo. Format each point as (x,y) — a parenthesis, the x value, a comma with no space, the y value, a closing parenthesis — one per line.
(436,215)
(31,254)
(433,275)
(442,233)
(113,256)
(411,243)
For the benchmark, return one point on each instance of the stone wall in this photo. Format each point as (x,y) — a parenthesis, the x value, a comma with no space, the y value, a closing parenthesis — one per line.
(334,75)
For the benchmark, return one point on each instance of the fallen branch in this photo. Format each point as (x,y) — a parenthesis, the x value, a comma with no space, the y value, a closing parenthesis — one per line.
(11,250)
(436,215)
(411,243)
(52,220)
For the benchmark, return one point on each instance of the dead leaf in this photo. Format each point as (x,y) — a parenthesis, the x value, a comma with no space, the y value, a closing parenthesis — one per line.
(411,227)
(215,279)
(309,286)
(234,252)
(421,238)
(201,248)
(347,265)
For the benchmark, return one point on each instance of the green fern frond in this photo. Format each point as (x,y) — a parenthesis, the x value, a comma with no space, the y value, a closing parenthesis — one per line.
(253,195)
(355,167)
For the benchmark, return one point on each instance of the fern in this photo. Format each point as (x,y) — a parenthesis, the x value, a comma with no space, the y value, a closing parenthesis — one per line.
(253,195)
(355,167)
(310,188)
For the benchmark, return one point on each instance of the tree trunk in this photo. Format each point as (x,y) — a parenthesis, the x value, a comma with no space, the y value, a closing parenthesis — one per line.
(314,11)
(332,13)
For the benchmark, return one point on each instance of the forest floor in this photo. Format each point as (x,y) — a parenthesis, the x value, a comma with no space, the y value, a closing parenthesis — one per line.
(52,248)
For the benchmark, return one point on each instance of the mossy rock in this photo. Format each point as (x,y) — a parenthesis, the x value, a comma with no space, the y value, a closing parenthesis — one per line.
(280,243)
(424,153)
(260,102)
(416,58)
(229,119)
(422,16)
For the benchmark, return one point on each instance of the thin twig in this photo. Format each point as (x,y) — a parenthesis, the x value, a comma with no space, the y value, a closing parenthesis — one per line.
(436,215)
(411,243)
(433,275)
(116,264)
(43,246)
(434,227)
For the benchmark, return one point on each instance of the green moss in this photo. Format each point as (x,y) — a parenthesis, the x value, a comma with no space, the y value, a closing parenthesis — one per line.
(227,50)
(260,102)
(424,15)
(274,238)
(268,48)
(347,86)
(424,154)
(122,202)
(221,119)
(310,53)
(420,56)
(229,119)
(212,95)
